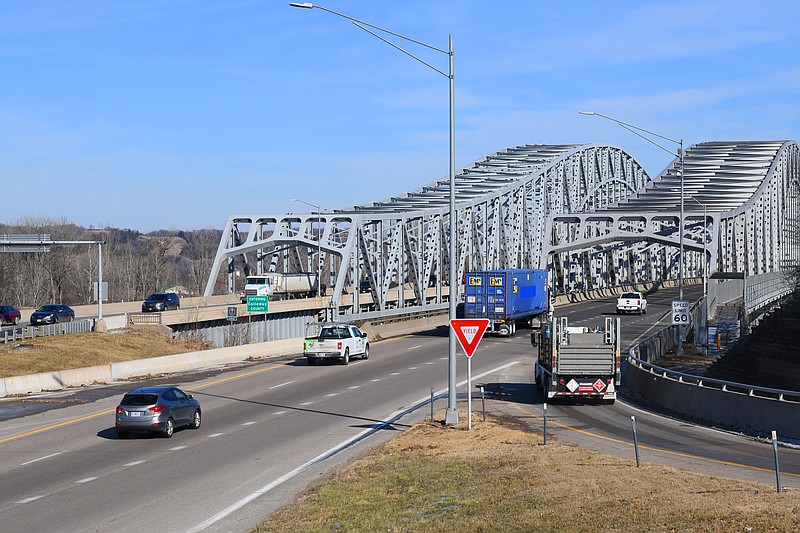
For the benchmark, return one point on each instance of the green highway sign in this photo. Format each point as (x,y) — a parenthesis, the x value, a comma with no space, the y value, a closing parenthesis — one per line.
(257,304)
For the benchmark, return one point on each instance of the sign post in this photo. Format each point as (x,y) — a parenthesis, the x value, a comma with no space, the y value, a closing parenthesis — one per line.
(469,332)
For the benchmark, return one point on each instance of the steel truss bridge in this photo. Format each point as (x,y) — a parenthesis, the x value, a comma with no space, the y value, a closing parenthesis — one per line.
(588,213)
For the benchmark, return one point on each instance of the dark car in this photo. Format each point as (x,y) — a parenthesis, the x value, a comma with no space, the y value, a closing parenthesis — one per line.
(9,315)
(52,314)
(161,301)
(157,410)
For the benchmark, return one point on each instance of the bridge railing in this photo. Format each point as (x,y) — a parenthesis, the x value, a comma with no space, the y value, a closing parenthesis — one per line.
(754,391)
(49,330)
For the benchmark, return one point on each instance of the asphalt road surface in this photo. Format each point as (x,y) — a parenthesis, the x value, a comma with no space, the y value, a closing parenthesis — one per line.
(270,429)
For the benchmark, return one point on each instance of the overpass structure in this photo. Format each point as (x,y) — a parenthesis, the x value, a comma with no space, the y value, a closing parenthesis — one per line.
(588,213)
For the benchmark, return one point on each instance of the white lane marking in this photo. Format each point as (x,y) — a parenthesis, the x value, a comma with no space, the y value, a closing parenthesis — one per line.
(412,368)
(281,385)
(415,347)
(395,374)
(134,463)
(306,403)
(41,458)
(324,455)
(86,479)
(249,423)
(31,499)
(376,379)
(176,448)
(444,358)
(214,435)
(332,394)
(355,387)
(278,412)
(430,363)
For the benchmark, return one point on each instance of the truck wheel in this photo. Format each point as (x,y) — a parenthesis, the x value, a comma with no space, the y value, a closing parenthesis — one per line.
(366,352)
(346,358)
(311,361)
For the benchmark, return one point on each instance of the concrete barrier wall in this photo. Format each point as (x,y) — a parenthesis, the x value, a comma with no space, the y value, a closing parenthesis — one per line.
(64,379)
(725,409)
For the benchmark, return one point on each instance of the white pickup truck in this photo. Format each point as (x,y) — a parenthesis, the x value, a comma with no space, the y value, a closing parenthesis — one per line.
(329,340)
(631,302)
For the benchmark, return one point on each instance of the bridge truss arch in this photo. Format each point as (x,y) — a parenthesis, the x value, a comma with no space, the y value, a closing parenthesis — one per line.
(588,213)
(741,211)
(503,202)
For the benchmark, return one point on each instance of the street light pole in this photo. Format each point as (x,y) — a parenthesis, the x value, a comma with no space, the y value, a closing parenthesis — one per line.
(636,131)
(319,242)
(705,268)
(451,416)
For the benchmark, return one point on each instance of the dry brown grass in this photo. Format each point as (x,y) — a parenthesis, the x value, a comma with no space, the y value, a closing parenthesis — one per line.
(499,477)
(80,350)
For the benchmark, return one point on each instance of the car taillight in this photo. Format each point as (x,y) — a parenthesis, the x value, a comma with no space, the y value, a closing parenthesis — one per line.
(119,410)
(338,345)
(156,409)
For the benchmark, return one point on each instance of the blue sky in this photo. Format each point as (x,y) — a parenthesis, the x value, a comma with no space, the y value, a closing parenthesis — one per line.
(175,114)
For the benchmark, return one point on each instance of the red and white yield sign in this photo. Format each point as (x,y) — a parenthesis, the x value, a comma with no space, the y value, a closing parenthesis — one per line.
(469,332)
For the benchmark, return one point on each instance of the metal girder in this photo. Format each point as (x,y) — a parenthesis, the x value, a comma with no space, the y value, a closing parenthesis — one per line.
(399,246)
(588,213)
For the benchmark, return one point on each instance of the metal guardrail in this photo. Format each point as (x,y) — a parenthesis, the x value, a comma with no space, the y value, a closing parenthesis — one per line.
(61,328)
(661,342)
(144,318)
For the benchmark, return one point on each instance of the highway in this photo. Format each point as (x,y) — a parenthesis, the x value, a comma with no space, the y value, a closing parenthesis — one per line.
(267,426)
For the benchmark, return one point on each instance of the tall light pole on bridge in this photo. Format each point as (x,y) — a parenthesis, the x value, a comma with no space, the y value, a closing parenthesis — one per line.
(636,130)
(319,243)
(705,268)
(452,408)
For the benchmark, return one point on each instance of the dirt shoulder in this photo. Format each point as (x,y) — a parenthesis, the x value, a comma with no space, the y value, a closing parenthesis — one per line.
(80,350)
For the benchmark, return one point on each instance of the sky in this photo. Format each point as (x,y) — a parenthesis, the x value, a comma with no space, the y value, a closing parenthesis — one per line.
(178,114)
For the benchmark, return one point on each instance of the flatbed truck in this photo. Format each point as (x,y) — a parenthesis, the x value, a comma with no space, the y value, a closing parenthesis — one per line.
(577,362)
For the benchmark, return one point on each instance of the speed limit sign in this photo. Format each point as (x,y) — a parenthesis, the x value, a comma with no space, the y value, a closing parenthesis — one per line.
(680,313)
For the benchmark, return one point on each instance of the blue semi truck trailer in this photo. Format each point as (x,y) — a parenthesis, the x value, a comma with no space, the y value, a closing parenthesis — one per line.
(507,297)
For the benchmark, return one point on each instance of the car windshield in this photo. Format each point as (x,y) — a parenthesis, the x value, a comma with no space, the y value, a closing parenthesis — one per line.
(158,297)
(48,308)
(630,295)
(139,399)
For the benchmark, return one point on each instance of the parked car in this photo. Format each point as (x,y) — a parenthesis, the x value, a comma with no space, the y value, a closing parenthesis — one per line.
(161,301)
(157,410)
(52,314)
(9,315)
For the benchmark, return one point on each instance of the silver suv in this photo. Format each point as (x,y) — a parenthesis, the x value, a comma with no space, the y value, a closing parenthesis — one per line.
(158,410)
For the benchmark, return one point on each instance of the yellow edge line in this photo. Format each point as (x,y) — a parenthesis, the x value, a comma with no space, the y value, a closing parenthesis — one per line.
(61,424)
(108,411)
(660,450)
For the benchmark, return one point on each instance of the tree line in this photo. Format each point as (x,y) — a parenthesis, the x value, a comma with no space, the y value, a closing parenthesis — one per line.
(134,264)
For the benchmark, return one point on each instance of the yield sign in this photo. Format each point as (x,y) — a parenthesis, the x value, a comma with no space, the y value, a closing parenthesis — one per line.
(469,332)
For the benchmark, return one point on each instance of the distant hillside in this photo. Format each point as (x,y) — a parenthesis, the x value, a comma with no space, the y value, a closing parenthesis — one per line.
(134,264)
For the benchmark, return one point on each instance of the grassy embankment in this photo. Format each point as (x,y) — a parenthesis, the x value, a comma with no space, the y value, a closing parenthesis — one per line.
(48,354)
(499,477)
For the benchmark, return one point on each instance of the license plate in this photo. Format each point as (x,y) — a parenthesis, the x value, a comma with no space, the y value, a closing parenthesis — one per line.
(135,413)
